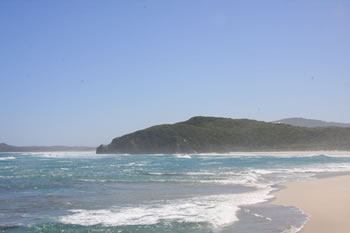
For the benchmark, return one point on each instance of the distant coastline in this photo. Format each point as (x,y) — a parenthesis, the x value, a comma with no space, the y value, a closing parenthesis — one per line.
(5,148)
(284,153)
(262,153)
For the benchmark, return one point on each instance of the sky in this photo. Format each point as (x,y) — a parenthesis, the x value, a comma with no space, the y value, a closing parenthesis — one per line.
(83,72)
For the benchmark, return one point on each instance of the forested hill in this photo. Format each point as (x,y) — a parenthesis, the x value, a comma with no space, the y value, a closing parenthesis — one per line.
(216,134)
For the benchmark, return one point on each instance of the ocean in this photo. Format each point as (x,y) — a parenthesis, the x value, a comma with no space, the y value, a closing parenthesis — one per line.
(192,193)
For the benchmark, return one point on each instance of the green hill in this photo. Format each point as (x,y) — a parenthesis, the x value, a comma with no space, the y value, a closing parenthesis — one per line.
(215,134)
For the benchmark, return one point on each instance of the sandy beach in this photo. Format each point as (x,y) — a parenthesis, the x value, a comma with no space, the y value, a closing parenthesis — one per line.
(326,201)
(285,153)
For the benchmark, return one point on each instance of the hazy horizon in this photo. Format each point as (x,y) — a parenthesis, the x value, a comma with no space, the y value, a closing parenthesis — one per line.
(81,73)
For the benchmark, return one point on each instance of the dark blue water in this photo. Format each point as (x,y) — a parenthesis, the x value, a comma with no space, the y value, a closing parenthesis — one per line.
(84,192)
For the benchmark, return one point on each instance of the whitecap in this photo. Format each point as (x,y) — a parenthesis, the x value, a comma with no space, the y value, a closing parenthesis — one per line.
(183,156)
(201,173)
(65,154)
(7,158)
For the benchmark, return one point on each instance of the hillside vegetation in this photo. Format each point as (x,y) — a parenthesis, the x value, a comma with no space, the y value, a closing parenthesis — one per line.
(214,134)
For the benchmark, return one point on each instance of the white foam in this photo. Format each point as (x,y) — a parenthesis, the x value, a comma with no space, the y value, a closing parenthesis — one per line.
(263,217)
(7,158)
(292,229)
(183,156)
(66,154)
(210,163)
(139,164)
(258,177)
(156,173)
(92,180)
(218,210)
(201,173)
(248,178)
(295,229)
(314,168)
(164,174)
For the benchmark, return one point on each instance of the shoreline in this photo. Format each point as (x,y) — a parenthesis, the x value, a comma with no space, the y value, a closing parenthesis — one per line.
(299,152)
(56,151)
(259,153)
(233,153)
(325,200)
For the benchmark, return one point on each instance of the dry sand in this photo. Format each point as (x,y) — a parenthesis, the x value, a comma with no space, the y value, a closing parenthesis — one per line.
(326,201)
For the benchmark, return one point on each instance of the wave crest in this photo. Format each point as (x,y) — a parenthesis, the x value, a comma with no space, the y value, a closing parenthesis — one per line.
(218,210)
(7,158)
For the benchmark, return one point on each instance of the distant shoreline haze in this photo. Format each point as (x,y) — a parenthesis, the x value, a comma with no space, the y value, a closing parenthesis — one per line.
(303,122)
(10,148)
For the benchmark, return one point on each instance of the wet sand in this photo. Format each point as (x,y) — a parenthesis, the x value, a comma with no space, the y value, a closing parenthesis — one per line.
(326,201)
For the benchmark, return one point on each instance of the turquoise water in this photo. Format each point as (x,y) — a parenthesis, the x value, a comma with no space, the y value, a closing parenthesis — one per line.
(84,192)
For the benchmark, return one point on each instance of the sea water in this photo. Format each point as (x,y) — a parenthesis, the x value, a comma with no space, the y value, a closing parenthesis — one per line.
(85,192)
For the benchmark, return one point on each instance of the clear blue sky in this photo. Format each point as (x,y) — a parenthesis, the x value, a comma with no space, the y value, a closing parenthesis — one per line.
(84,72)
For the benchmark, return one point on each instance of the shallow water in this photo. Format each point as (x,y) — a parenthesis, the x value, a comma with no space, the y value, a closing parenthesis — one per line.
(85,192)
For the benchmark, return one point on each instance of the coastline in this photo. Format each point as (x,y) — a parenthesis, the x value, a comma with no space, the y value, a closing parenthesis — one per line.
(287,153)
(326,201)
(233,153)
(258,153)
(331,153)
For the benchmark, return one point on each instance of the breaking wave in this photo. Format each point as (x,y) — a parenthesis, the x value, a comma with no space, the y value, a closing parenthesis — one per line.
(218,210)
(7,158)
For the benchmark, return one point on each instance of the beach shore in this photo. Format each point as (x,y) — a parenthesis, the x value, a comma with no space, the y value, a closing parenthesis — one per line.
(285,153)
(326,201)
